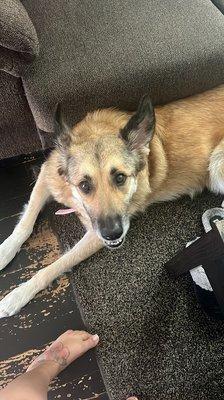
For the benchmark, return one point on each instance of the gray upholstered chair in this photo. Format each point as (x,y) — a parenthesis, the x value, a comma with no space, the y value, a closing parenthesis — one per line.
(88,54)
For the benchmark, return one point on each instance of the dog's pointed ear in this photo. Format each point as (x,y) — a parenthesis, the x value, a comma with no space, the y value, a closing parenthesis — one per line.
(140,128)
(62,130)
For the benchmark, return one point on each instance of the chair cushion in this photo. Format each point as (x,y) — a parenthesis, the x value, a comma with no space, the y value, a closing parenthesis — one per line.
(109,53)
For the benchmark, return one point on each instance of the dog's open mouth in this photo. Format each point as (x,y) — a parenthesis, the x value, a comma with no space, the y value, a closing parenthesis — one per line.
(112,244)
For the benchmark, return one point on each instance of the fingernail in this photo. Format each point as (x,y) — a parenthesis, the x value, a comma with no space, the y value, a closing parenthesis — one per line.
(95,338)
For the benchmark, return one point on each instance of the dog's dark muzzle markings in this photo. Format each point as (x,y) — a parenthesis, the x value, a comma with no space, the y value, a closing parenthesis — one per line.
(111,230)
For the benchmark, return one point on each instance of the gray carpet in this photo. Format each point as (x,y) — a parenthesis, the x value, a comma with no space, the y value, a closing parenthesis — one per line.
(156,342)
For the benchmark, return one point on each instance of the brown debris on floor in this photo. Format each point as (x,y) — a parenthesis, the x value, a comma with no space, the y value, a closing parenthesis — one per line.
(50,313)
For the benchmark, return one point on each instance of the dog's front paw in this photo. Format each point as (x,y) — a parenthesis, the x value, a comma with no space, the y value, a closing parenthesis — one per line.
(15,300)
(8,250)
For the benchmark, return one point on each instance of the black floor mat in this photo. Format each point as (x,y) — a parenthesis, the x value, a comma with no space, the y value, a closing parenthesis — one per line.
(156,342)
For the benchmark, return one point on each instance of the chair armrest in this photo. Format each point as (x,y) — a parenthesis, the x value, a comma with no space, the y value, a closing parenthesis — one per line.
(19,44)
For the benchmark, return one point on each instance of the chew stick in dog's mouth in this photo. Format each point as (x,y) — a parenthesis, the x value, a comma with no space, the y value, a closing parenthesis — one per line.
(64,211)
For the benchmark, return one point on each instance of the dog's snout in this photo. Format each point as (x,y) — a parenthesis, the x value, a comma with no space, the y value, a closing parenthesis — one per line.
(111,227)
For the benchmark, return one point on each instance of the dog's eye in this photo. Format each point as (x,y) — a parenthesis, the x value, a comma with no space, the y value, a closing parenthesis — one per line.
(120,179)
(85,187)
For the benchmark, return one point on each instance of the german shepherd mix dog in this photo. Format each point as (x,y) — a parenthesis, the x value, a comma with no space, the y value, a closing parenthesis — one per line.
(112,165)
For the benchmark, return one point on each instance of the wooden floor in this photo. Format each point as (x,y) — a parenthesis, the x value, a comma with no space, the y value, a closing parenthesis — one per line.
(53,310)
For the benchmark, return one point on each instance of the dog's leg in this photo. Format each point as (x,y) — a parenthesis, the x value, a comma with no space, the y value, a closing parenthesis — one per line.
(23,229)
(216,169)
(19,297)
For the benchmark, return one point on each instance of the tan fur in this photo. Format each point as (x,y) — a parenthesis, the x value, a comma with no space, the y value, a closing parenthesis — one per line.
(185,155)
(187,131)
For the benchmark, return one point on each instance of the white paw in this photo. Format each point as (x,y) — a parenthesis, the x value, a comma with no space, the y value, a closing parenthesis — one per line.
(16,299)
(8,250)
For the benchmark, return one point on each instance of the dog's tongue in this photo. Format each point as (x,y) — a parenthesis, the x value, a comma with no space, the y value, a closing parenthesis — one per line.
(64,211)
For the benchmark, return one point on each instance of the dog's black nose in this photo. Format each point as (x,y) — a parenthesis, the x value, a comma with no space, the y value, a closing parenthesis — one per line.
(111,227)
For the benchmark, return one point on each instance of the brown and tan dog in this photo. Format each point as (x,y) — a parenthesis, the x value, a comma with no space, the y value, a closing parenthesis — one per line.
(114,164)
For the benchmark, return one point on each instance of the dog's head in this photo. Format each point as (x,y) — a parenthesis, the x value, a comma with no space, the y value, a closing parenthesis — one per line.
(101,158)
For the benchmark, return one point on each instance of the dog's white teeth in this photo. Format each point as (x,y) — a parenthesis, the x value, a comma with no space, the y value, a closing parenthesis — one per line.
(114,242)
